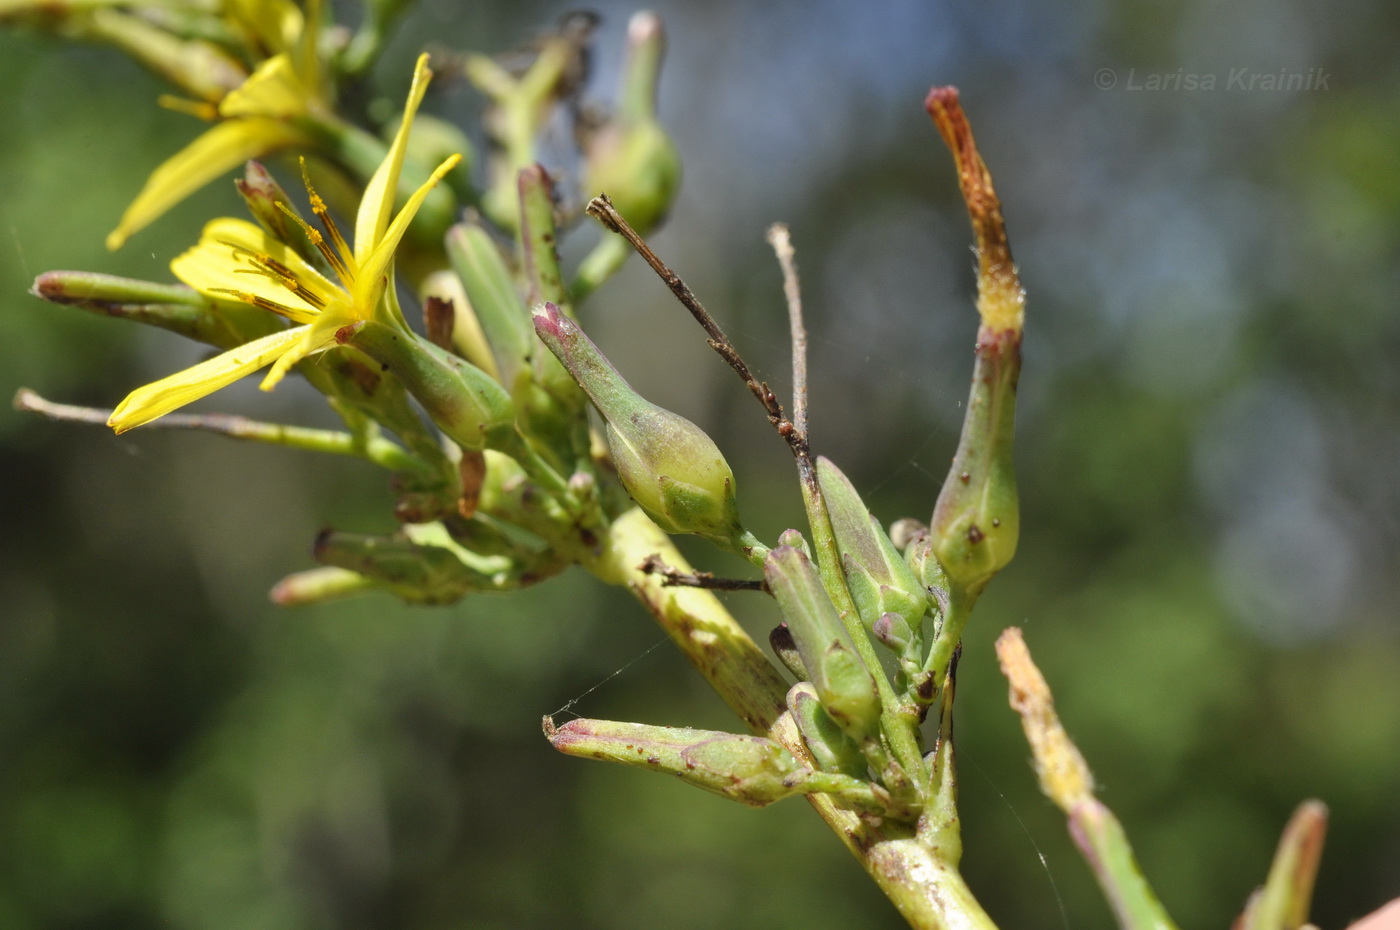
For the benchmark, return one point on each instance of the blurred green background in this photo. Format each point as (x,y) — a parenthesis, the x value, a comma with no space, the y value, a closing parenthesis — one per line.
(1209,434)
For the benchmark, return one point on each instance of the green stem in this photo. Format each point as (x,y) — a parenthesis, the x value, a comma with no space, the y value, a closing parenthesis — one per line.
(1105,847)
(950,632)
(606,259)
(377,449)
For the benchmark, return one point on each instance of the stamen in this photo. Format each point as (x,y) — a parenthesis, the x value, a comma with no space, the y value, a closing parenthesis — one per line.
(318,207)
(292,284)
(259,301)
(265,265)
(314,236)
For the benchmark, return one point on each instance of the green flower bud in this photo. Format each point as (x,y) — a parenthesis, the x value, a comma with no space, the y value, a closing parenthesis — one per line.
(832,749)
(632,159)
(538,237)
(316,585)
(433,141)
(672,469)
(490,286)
(172,307)
(273,209)
(748,769)
(465,402)
(552,406)
(416,573)
(976,521)
(879,580)
(841,679)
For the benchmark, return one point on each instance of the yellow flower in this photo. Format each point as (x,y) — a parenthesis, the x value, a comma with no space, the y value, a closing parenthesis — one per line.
(235,257)
(256,118)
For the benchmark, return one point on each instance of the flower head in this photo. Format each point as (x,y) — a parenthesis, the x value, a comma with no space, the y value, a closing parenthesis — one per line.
(235,258)
(259,116)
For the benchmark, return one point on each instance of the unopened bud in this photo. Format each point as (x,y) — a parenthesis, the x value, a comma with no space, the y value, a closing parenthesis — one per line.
(879,580)
(317,585)
(435,140)
(632,159)
(466,403)
(417,573)
(490,287)
(172,307)
(270,206)
(840,677)
(749,769)
(672,469)
(552,408)
(976,521)
(832,749)
(926,567)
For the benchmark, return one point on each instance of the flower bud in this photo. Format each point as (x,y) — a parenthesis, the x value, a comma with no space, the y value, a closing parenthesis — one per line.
(976,521)
(552,409)
(842,681)
(632,159)
(420,574)
(317,585)
(672,469)
(172,307)
(465,402)
(926,567)
(879,580)
(749,769)
(269,204)
(490,287)
(832,749)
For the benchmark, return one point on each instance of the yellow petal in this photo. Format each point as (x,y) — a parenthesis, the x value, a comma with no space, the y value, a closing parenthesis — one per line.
(378,201)
(220,149)
(374,265)
(220,262)
(272,90)
(160,397)
(275,23)
(316,338)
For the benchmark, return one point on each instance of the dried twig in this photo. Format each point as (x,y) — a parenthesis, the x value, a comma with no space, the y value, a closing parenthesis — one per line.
(675,578)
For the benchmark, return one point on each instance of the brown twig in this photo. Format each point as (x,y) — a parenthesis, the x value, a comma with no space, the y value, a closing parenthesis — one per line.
(601,208)
(675,578)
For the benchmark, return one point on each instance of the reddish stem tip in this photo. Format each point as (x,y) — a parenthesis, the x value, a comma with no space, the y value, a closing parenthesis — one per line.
(983,206)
